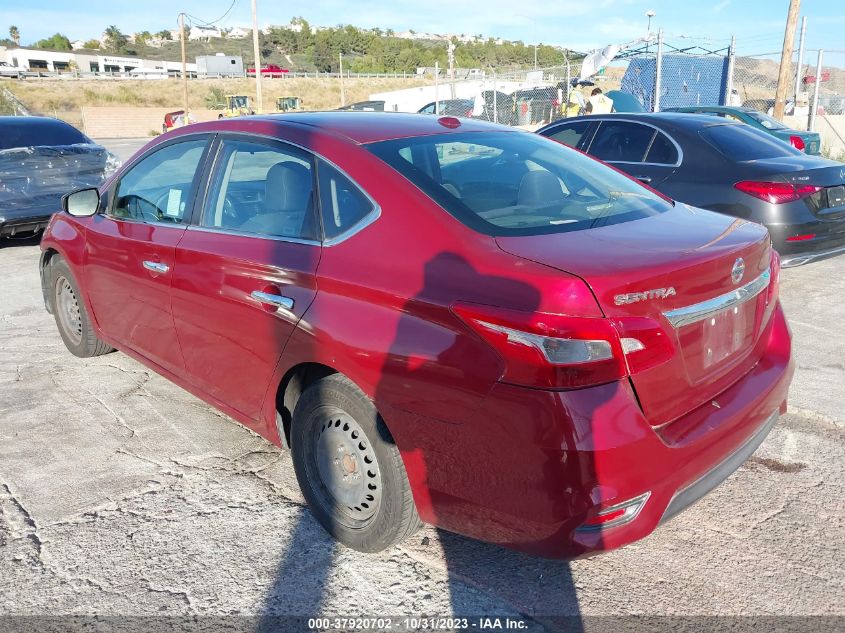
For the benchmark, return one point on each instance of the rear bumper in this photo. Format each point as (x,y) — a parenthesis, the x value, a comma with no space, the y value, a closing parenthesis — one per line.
(828,241)
(27,220)
(533,466)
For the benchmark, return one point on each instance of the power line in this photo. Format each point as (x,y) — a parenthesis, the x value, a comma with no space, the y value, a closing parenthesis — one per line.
(202,22)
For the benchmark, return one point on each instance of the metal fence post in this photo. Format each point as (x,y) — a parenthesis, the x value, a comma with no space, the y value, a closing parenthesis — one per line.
(729,84)
(658,72)
(811,125)
(495,104)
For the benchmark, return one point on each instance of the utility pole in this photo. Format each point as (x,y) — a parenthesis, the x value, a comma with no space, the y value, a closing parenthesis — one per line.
(184,65)
(800,58)
(452,68)
(342,93)
(259,102)
(786,58)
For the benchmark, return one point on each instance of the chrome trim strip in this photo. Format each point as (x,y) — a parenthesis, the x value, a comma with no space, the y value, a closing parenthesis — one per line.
(262,236)
(789,261)
(273,299)
(704,310)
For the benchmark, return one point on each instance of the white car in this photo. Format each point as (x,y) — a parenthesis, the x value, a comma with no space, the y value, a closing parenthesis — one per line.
(7,70)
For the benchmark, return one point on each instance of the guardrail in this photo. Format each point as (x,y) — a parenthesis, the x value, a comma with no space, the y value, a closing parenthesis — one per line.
(177,74)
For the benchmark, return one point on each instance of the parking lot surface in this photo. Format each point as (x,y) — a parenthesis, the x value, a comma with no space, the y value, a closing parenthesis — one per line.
(122,494)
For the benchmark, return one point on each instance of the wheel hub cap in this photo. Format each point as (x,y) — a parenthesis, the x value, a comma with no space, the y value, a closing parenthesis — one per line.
(67,309)
(347,467)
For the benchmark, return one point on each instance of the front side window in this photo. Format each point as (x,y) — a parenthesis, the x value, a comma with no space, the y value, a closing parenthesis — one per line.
(621,141)
(262,189)
(571,133)
(515,183)
(158,187)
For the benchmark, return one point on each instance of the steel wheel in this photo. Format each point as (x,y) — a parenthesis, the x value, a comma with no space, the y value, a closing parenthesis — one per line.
(347,467)
(67,310)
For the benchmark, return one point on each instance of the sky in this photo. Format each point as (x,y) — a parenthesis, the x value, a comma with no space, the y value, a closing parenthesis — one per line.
(576,24)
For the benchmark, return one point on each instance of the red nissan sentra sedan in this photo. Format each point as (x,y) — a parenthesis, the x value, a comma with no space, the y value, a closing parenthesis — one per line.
(446,320)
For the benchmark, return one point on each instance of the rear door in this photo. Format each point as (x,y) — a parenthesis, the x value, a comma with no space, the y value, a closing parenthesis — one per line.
(643,151)
(246,272)
(130,249)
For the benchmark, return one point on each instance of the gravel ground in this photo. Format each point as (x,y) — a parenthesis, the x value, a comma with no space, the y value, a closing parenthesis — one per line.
(121,494)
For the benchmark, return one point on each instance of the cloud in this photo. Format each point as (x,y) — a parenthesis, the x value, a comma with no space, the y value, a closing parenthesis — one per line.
(721,6)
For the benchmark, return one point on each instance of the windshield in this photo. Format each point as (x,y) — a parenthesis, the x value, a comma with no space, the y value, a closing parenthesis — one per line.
(767,122)
(515,183)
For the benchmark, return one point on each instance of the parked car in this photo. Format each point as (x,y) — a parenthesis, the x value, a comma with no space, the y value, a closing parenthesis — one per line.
(624,101)
(724,166)
(268,70)
(42,159)
(8,71)
(364,106)
(449,107)
(807,142)
(497,107)
(446,320)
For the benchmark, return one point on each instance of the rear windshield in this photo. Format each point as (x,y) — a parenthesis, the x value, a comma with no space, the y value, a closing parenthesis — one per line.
(768,122)
(37,132)
(743,142)
(515,183)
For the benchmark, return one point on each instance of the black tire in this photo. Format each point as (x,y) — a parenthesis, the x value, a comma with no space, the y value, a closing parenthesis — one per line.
(372,512)
(72,318)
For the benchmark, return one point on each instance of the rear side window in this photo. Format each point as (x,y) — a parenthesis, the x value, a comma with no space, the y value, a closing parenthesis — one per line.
(34,132)
(621,141)
(343,204)
(158,187)
(743,142)
(570,133)
(262,189)
(662,151)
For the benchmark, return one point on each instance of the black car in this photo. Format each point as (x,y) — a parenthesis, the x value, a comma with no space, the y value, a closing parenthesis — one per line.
(365,106)
(42,159)
(727,167)
(449,107)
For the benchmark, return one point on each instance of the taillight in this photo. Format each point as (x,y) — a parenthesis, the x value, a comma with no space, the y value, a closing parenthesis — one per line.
(776,192)
(801,238)
(549,350)
(797,142)
(615,515)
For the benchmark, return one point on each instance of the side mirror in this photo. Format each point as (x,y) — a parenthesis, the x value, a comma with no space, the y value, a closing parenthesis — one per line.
(82,203)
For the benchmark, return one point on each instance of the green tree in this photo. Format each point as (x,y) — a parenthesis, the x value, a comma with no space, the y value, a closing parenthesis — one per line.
(115,40)
(57,42)
(15,34)
(164,35)
(92,44)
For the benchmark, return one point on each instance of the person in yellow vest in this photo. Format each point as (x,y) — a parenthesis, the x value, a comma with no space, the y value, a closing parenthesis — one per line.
(599,103)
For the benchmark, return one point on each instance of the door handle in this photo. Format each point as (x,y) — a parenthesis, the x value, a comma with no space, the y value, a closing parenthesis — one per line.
(643,179)
(156,267)
(280,301)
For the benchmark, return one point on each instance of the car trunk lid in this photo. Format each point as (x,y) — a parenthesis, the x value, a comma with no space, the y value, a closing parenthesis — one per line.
(673,270)
(829,201)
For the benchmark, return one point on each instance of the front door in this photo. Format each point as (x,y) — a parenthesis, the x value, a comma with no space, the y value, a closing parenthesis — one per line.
(131,248)
(246,273)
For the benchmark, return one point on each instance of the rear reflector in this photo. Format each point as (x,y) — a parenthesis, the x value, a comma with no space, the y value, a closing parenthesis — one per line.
(776,192)
(797,142)
(801,238)
(615,515)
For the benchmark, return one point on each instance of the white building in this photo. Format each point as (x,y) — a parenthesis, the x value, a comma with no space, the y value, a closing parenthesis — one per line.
(204,32)
(238,32)
(64,61)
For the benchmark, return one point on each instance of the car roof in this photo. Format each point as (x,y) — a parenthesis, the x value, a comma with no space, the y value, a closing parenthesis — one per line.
(360,127)
(686,121)
(33,121)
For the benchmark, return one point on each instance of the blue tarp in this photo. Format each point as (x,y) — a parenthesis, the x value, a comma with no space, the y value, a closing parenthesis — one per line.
(685,81)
